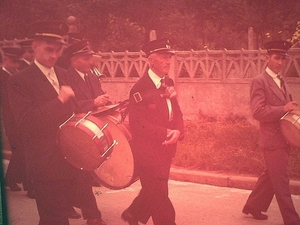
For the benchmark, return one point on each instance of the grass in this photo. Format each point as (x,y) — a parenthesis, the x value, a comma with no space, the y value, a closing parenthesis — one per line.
(228,145)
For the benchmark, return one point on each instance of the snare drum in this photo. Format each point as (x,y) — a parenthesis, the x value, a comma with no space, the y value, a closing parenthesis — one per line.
(290,126)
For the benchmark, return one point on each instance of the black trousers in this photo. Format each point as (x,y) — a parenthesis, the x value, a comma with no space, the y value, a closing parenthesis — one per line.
(53,199)
(153,200)
(274,181)
(16,170)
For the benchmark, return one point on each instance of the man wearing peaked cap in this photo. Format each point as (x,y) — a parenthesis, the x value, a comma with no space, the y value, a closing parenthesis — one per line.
(80,47)
(89,96)
(28,55)
(86,85)
(270,100)
(14,53)
(16,167)
(156,125)
(159,45)
(49,30)
(42,100)
(280,47)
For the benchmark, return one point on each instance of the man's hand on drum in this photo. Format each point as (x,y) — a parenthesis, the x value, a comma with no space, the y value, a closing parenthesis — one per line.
(290,106)
(65,93)
(172,137)
(101,100)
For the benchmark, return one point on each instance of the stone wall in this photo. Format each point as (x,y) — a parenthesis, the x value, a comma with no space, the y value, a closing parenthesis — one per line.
(212,99)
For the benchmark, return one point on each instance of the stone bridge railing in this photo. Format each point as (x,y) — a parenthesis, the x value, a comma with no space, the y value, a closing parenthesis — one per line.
(209,83)
(203,65)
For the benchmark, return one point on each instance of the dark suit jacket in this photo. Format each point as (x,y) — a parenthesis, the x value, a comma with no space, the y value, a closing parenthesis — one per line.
(23,65)
(84,95)
(9,123)
(267,101)
(149,121)
(39,113)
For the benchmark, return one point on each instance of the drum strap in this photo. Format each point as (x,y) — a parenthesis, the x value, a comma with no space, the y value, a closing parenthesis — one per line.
(140,96)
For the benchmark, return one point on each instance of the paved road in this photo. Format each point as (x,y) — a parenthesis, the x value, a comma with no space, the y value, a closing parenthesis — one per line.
(195,204)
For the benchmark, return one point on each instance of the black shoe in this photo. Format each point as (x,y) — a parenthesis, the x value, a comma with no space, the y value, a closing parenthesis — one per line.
(128,217)
(73,214)
(98,221)
(13,187)
(255,213)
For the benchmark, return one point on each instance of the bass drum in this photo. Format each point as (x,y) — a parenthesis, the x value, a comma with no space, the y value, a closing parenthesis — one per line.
(290,126)
(118,170)
(85,141)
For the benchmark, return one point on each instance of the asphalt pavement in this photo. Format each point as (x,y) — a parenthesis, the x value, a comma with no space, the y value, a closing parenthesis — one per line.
(198,197)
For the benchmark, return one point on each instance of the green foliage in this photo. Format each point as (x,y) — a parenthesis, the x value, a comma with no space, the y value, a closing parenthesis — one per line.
(120,34)
(228,145)
(296,36)
(121,25)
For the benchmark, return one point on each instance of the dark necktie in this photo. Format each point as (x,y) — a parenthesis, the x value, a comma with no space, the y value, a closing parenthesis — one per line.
(162,84)
(88,83)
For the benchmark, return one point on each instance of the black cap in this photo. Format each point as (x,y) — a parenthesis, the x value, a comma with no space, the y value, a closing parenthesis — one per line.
(79,48)
(13,52)
(279,46)
(49,30)
(159,45)
(26,44)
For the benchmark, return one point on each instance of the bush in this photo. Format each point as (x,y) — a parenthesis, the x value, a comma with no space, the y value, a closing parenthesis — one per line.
(229,145)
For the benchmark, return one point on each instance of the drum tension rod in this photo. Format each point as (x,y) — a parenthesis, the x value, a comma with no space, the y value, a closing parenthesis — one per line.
(296,120)
(101,129)
(83,118)
(67,120)
(107,153)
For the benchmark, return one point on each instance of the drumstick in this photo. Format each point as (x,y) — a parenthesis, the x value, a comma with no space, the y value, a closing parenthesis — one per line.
(291,97)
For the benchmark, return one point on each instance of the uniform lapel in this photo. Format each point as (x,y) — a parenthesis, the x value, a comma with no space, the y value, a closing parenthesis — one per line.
(274,88)
(80,83)
(41,82)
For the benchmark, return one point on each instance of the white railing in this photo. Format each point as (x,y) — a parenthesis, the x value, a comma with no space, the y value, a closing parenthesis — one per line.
(222,65)
(205,65)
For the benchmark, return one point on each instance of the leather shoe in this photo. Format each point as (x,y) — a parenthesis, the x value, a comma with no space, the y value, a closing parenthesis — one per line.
(255,213)
(97,221)
(128,217)
(13,187)
(73,214)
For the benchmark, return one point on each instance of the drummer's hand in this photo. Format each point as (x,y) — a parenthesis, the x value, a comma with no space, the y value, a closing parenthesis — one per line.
(101,100)
(65,93)
(172,137)
(290,106)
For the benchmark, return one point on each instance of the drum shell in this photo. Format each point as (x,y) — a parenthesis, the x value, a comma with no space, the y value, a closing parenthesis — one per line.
(290,127)
(80,144)
(118,171)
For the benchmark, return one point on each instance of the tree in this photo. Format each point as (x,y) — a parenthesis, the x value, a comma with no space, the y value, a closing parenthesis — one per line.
(191,24)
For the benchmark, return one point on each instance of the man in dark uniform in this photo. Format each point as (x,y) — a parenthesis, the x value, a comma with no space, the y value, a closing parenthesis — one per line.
(156,125)
(41,101)
(86,85)
(89,96)
(270,99)
(16,167)
(28,56)
(27,59)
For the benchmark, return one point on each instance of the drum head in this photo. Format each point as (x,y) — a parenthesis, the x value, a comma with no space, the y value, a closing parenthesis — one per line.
(79,146)
(291,132)
(117,171)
